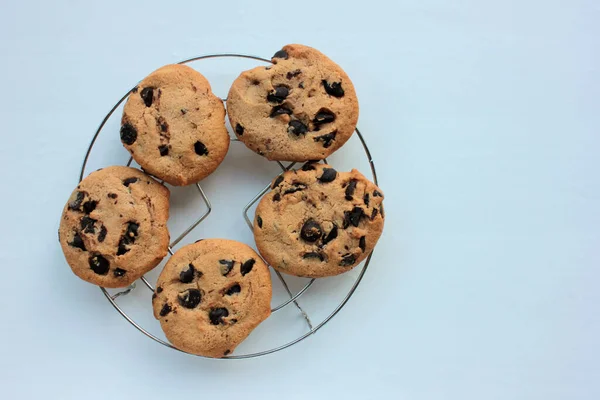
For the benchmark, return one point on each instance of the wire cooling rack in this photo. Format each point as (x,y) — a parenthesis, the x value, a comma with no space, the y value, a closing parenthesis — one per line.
(112,298)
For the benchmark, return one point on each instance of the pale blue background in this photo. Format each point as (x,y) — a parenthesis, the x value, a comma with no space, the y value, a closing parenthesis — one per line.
(483,119)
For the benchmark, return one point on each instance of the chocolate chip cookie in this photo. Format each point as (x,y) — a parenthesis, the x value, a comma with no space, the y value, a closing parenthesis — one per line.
(303,107)
(114,227)
(318,222)
(211,295)
(174,126)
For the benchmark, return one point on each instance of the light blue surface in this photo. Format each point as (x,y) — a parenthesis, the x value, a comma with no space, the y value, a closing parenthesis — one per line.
(483,119)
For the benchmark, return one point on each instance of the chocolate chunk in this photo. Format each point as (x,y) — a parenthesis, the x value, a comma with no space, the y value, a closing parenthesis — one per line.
(277,182)
(163,149)
(331,235)
(227,351)
(164,127)
(134,90)
(128,134)
(119,272)
(324,116)
(165,310)
(131,232)
(377,194)
(296,127)
(102,234)
(350,189)
(189,298)
(89,206)
(335,89)
(280,110)
(233,290)
(99,264)
(353,217)
(216,315)
(313,254)
(129,181)
(200,148)
(159,289)
(329,174)
(293,74)
(374,214)
(326,139)
(259,221)
(366,199)
(347,260)
(297,186)
(239,129)
(77,242)
(311,231)
(226,266)
(247,266)
(278,95)
(362,243)
(381,211)
(187,275)
(147,94)
(112,195)
(87,224)
(309,166)
(76,204)
(183,111)
(276,197)
(281,54)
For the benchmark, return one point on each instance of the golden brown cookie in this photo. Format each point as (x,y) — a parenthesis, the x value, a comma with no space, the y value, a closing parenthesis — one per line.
(318,222)
(114,227)
(211,295)
(303,107)
(174,126)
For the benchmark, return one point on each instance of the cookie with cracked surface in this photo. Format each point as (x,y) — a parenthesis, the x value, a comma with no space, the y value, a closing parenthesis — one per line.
(303,107)
(174,126)
(318,222)
(211,295)
(113,229)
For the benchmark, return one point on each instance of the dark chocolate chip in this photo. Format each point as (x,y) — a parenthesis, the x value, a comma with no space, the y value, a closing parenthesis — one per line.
(233,290)
(159,289)
(377,194)
(324,116)
(134,90)
(190,298)
(280,110)
(247,266)
(239,129)
(335,89)
(200,148)
(163,149)
(165,310)
(129,181)
(153,296)
(353,217)
(147,94)
(119,272)
(281,54)
(259,221)
(293,74)
(164,127)
(276,197)
(347,260)
(89,206)
(326,139)
(227,351)
(350,189)
(381,211)
(277,182)
(87,224)
(99,264)
(216,315)
(77,242)
(278,95)
(226,266)
(102,234)
(309,166)
(128,134)
(366,199)
(297,186)
(183,111)
(187,275)
(76,204)
(112,195)
(362,243)
(311,231)
(313,254)
(131,232)
(296,127)
(331,235)
(374,214)
(329,174)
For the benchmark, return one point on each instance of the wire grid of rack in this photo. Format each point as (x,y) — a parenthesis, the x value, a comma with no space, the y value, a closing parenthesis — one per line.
(293,297)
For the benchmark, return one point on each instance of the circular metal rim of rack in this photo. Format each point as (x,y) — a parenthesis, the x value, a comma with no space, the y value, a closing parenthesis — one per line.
(292,297)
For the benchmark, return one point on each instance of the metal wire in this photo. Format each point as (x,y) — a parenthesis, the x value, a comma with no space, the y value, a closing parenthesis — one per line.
(292,297)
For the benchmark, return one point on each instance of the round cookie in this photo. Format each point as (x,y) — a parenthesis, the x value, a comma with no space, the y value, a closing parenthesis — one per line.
(318,222)
(174,126)
(211,295)
(114,227)
(303,107)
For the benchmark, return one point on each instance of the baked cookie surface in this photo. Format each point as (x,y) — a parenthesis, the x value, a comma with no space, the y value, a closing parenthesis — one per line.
(114,227)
